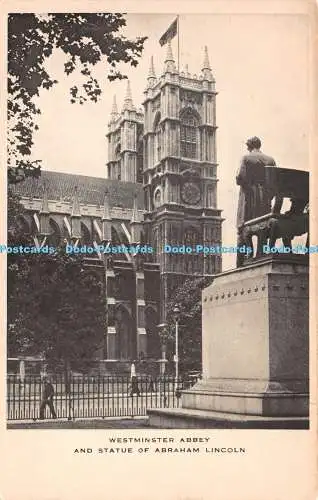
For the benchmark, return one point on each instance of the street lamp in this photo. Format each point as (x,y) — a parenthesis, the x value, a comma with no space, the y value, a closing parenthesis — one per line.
(163,335)
(176,315)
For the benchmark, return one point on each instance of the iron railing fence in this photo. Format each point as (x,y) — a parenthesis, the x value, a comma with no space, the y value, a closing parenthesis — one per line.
(90,397)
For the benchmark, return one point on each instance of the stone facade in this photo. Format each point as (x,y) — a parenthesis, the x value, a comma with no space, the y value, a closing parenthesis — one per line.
(259,363)
(160,189)
(255,344)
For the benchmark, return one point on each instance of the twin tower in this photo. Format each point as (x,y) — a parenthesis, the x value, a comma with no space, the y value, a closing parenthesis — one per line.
(170,147)
(168,151)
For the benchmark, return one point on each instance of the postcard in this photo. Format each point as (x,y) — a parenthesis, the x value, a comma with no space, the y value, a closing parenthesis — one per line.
(158,250)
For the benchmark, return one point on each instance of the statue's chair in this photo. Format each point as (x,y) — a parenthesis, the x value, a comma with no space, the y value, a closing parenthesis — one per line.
(277,184)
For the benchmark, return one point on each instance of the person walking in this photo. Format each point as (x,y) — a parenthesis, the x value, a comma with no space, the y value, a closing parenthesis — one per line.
(47,399)
(152,386)
(134,381)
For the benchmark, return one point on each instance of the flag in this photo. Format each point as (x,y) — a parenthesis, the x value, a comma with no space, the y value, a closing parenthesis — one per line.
(170,33)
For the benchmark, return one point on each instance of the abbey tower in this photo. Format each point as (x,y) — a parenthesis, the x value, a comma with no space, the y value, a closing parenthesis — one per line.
(159,189)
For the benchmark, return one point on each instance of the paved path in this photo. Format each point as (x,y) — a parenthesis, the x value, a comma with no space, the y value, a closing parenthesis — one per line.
(98,423)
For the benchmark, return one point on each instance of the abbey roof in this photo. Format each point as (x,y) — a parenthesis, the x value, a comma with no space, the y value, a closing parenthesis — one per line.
(90,190)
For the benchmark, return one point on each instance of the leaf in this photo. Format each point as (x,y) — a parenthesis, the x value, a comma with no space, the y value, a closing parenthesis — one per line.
(85,39)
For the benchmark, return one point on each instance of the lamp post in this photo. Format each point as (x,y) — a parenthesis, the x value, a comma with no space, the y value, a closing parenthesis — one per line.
(176,314)
(162,330)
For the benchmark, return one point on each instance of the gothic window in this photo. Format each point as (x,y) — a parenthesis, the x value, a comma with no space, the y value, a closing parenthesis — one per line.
(110,286)
(85,235)
(140,289)
(54,238)
(190,263)
(211,201)
(157,139)
(191,237)
(209,153)
(141,316)
(124,334)
(118,162)
(189,135)
(155,244)
(139,159)
(111,314)
(153,339)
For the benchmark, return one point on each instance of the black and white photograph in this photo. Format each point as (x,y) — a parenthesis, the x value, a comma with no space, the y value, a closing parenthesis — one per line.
(158,250)
(158,240)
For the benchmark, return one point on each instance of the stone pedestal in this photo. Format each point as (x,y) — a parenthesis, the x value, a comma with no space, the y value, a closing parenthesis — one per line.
(255,344)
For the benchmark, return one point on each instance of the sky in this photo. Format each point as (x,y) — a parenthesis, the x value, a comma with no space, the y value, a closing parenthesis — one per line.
(260,63)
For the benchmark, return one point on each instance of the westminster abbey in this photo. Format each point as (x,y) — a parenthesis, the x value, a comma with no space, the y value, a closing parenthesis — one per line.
(160,188)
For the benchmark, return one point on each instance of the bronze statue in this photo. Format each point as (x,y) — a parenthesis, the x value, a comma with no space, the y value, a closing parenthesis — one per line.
(254,198)
(260,182)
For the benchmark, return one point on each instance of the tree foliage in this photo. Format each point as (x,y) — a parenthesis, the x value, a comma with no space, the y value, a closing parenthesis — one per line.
(55,304)
(86,39)
(188,298)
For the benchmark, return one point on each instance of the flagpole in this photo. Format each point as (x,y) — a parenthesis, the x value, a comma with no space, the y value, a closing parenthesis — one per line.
(178,43)
(179,105)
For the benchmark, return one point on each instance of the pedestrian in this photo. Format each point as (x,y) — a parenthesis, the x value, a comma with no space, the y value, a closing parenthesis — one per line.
(134,381)
(21,376)
(47,399)
(151,387)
